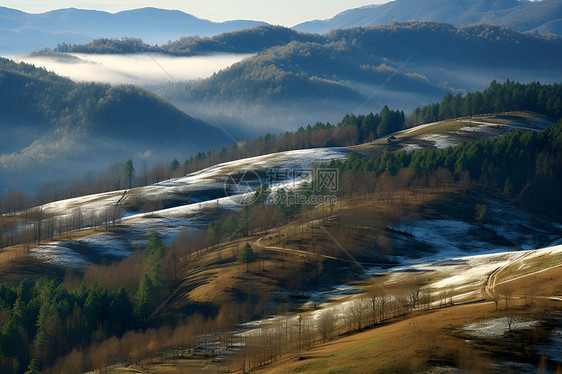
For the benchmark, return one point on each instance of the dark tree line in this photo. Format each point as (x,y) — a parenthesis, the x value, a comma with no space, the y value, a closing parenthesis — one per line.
(43,319)
(351,130)
(497,98)
(249,40)
(523,165)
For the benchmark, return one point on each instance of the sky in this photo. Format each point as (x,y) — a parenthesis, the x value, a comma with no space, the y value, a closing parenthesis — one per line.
(286,12)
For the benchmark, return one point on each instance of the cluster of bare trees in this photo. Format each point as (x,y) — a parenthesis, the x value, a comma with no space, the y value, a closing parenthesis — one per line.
(503,293)
(34,225)
(291,335)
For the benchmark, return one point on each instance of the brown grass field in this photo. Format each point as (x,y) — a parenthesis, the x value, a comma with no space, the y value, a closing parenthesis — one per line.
(413,344)
(309,254)
(426,340)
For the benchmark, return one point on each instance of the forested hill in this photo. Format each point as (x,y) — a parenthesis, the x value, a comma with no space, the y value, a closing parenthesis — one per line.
(397,40)
(249,40)
(48,120)
(34,97)
(497,98)
(407,57)
(525,166)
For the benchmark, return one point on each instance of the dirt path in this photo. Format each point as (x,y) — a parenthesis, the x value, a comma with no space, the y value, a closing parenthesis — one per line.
(491,282)
(298,252)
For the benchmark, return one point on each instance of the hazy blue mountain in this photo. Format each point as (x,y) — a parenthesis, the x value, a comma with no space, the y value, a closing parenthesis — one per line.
(52,127)
(543,16)
(22,33)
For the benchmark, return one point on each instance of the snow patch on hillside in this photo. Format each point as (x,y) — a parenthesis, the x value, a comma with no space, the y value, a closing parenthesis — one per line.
(208,184)
(497,327)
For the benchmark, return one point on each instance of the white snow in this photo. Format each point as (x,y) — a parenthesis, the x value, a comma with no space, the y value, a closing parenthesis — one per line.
(412,147)
(80,252)
(55,254)
(441,141)
(414,129)
(497,327)
(170,222)
(88,205)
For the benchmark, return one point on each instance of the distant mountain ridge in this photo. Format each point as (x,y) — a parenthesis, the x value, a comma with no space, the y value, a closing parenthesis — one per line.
(331,65)
(251,40)
(541,16)
(22,33)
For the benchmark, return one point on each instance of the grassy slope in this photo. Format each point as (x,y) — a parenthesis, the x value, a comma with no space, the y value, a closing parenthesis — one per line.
(404,138)
(214,280)
(404,345)
(415,135)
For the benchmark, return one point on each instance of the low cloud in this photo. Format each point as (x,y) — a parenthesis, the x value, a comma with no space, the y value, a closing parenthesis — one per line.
(60,143)
(138,69)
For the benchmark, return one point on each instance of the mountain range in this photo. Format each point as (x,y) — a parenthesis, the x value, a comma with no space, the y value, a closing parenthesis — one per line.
(22,33)
(543,16)
(403,65)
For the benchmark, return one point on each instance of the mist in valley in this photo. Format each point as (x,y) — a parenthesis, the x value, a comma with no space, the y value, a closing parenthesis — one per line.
(250,118)
(56,156)
(146,70)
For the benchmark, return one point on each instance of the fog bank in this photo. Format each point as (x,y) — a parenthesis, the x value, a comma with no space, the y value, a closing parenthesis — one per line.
(139,69)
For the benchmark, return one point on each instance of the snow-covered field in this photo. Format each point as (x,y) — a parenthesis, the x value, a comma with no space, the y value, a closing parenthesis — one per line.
(465,276)
(194,195)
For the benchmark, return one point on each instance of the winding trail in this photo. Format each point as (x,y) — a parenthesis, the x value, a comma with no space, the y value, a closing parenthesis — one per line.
(301,253)
(492,280)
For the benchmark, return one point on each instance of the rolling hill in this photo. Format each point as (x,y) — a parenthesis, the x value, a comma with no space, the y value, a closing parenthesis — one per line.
(23,33)
(401,64)
(63,129)
(541,16)
(250,40)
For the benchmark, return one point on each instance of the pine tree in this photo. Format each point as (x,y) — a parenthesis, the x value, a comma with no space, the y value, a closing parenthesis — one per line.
(157,276)
(154,250)
(174,165)
(34,367)
(246,255)
(129,172)
(144,298)
(121,309)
